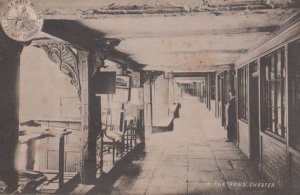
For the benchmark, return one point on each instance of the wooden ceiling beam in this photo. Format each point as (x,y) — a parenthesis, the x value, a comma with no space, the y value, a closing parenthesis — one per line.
(219,32)
(190,74)
(96,9)
(226,51)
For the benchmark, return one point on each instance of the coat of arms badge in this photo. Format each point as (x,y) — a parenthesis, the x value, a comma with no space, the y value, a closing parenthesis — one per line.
(21,20)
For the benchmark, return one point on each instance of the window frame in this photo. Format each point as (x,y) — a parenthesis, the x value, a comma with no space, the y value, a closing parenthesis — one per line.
(273,84)
(293,94)
(243,93)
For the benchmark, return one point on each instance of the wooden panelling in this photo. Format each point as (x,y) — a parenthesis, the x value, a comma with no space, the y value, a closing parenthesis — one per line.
(70,107)
(244,137)
(274,159)
(73,138)
(52,160)
(53,141)
(50,146)
(295,172)
(72,160)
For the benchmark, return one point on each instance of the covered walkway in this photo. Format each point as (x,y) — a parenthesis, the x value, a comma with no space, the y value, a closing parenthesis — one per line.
(90,99)
(192,159)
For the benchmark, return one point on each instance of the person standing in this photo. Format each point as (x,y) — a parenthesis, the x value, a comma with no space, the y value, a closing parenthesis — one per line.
(231,118)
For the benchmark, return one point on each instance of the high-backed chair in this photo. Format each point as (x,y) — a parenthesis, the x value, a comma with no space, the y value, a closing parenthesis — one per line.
(111,140)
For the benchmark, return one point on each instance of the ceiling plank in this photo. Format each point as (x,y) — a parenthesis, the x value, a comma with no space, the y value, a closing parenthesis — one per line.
(190,74)
(212,51)
(230,31)
(194,68)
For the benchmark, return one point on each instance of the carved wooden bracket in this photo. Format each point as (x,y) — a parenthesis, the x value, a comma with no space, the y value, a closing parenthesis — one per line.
(101,50)
(151,75)
(156,75)
(98,61)
(62,54)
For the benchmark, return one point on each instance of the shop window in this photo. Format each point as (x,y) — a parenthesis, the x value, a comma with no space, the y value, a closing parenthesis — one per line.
(243,78)
(273,93)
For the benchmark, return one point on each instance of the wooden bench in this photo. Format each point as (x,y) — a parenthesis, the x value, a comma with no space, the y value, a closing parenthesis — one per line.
(174,110)
(164,125)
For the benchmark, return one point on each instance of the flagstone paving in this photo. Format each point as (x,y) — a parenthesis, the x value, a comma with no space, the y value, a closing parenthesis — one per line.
(192,159)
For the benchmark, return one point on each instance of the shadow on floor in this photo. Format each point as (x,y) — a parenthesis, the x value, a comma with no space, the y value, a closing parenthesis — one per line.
(105,183)
(124,167)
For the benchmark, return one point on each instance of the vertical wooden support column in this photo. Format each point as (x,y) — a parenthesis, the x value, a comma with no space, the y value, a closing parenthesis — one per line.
(259,69)
(208,90)
(287,86)
(151,102)
(90,118)
(9,111)
(236,90)
(170,99)
(61,161)
(173,91)
(140,126)
(216,95)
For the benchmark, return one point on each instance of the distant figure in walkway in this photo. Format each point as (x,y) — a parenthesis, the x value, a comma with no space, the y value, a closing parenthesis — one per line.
(231,118)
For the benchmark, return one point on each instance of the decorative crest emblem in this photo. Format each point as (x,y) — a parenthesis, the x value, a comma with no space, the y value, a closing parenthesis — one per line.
(21,20)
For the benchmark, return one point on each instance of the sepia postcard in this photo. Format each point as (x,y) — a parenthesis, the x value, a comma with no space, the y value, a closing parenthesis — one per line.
(150,97)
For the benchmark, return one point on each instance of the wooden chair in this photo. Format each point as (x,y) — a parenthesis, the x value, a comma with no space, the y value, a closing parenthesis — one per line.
(115,139)
(111,141)
(129,135)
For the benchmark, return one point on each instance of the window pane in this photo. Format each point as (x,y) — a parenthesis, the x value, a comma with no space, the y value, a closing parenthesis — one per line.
(267,73)
(274,93)
(278,71)
(273,111)
(279,124)
(272,68)
(243,92)
(278,94)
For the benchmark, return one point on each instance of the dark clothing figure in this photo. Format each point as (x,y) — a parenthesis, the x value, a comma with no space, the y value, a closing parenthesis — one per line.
(231,120)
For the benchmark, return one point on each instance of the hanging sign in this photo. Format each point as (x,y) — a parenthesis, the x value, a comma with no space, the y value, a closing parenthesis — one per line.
(123,82)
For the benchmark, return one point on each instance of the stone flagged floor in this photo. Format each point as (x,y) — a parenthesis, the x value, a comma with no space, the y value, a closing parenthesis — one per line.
(192,159)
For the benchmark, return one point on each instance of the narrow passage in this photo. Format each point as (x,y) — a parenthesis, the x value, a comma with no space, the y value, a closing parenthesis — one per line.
(192,159)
